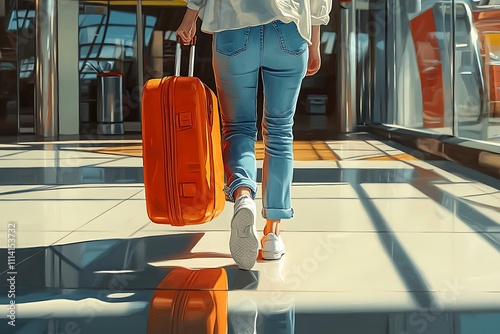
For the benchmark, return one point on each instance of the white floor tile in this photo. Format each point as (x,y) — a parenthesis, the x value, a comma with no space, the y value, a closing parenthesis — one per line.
(314,164)
(28,239)
(358,154)
(46,163)
(465,190)
(197,263)
(488,205)
(450,177)
(160,232)
(87,141)
(140,195)
(77,192)
(331,190)
(392,190)
(129,215)
(13,146)
(83,236)
(422,165)
(9,154)
(392,151)
(327,215)
(464,260)
(63,215)
(123,162)
(487,189)
(351,145)
(374,164)
(418,215)
(62,154)
(138,186)
(335,262)
(86,148)
(26,189)
(381,145)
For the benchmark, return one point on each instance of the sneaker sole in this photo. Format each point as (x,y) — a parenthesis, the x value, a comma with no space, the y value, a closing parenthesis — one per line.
(272,255)
(243,242)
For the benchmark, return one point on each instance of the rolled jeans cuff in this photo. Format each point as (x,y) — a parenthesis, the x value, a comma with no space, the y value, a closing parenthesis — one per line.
(229,190)
(277,213)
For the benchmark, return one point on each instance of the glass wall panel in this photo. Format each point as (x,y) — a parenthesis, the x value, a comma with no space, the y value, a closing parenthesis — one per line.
(24,21)
(439,73)
(477,69)
(8,69)
(108,43)
(17,66)
(419,59)
(372,76)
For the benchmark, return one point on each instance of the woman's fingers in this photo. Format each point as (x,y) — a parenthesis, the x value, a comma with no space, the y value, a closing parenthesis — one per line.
(184,36)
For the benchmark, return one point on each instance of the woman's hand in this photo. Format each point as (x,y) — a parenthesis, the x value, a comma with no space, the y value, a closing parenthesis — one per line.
(187,29)
(314,61)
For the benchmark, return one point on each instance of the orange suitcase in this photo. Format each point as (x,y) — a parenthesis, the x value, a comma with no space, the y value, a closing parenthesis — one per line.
(181,149)
(190,301)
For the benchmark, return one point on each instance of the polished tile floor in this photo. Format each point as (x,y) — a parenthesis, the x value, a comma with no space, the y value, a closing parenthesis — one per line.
(384,240)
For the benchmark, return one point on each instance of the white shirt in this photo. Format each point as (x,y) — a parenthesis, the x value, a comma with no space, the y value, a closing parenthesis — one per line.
(219,15)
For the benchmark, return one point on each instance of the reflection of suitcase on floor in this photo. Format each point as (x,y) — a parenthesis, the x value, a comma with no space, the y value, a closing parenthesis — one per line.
(190,302)
(182,155)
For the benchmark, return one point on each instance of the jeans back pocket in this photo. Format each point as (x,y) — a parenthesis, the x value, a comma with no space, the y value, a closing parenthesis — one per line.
(290,39)
(232,42)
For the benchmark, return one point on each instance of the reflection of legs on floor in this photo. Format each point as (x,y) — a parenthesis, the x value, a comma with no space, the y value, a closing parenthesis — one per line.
(273,271)
(270,317)
(242,320)
(276,318)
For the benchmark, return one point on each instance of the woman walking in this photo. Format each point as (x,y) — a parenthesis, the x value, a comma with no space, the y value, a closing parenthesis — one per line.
(280,38)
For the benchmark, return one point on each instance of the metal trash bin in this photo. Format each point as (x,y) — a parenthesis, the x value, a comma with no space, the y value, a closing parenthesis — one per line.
(316,108)
(110,103)
(316,104)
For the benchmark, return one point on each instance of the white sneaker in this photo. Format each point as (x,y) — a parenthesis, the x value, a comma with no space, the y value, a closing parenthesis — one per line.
(243,243)
(273,247)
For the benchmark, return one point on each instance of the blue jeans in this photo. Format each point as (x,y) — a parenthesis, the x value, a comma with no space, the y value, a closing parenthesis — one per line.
(281,53)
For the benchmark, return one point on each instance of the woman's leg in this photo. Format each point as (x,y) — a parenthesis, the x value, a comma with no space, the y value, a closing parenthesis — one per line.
(236,62)
(283,68)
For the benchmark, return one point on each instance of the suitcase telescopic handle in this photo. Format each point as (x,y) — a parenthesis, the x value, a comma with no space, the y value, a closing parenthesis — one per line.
(178,53)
